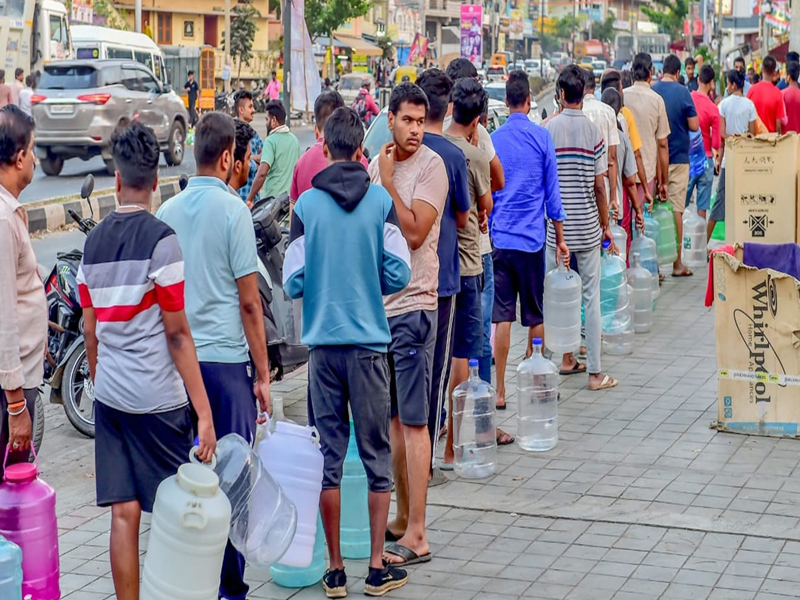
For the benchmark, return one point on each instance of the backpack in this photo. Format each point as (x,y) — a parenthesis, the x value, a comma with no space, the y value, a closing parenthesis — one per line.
(360,105)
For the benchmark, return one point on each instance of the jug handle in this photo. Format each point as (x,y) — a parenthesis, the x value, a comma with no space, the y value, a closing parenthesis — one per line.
(33,451)
(315,435)
(263,428)
(193,458)
(192,511)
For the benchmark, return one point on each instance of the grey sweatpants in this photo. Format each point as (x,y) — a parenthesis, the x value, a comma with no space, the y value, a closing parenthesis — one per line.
(589,270)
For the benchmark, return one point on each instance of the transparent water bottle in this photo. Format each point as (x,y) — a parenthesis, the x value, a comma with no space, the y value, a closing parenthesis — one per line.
(694,239)
(651,229)
(614,304)
(667,248)
(537,397)
(620,241)
(562,310)
(645,247)
(474,428)
(640,280)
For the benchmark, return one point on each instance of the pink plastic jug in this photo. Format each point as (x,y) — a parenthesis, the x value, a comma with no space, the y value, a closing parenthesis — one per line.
(28,518)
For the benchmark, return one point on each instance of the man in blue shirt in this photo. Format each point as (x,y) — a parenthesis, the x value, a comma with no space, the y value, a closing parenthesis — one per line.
(216,235)
(682,116)
(518,223)
(437,87)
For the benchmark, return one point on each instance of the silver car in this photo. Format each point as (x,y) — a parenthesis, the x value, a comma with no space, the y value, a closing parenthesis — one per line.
(79,103)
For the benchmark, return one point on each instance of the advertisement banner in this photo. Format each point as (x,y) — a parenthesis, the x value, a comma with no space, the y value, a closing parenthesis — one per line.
(472,33)
(516,26)
(82,11)
(305,85)
(419,50)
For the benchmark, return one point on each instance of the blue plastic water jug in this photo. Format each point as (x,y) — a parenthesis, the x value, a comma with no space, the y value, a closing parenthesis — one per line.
(10,570)
(354,529)
(295,577)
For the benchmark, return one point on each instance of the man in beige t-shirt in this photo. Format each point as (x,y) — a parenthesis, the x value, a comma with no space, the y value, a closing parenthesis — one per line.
(650,112)
(416,178)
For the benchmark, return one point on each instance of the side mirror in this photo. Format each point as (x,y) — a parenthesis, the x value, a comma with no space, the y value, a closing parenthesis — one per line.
(166,88)
(183,181)
(88,187)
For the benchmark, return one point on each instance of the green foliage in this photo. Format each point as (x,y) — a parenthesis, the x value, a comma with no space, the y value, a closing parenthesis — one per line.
(668,15)
(550,43)
(326,16)
(605,31)
(385,44)
(566,25)
(243,34)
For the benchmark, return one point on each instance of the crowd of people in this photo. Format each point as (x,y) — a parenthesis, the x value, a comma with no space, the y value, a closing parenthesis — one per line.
(403,265)
(19,91)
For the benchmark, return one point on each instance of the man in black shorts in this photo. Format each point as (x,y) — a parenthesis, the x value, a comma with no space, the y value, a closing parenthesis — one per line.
(518,226)
(131,289)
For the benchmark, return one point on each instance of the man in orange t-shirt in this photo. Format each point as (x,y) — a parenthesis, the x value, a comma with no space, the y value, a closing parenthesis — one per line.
(767,97)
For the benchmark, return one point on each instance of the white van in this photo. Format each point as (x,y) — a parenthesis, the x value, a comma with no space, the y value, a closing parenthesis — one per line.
(101,42)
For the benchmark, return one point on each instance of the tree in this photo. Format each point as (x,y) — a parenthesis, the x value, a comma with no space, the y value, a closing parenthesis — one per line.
(323,17)
(243,34)
(668,15)
(605,31)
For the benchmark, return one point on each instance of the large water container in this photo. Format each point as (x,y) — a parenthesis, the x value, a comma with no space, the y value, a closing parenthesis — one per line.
(263,519)
(293,458)
(620,240)
(614,304)
(640,280)
(474,428)
(300,577)
(28,519)
(537,399)
(10,570)
(354,529)
(667,249)
(188,535)
(651,228)
(694,239)
(562,310)
(645,247)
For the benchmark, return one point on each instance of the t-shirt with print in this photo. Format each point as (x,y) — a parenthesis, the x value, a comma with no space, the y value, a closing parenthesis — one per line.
(256,146)
(421,177)
(132,269)
(791,101)
(281,152)
(480,182)
(458,201)
(769,103)
(680,108)
(581,156)
(738,113)
(650,114)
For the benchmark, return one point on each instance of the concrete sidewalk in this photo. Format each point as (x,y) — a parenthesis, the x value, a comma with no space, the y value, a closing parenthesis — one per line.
(639,500)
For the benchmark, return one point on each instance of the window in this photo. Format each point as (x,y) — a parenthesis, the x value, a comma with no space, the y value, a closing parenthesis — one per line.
(58,31)
(68,78)
(164,29)
(159,70)
(144,58)
(130,79)
(150,85)
(123,53)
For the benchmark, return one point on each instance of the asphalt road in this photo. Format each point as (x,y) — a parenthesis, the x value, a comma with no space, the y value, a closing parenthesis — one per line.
(75,170)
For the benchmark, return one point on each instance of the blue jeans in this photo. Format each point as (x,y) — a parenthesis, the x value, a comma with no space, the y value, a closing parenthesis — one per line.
(487,304)
(704,183)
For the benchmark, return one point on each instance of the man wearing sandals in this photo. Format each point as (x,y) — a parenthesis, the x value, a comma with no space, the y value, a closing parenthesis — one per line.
(582,164)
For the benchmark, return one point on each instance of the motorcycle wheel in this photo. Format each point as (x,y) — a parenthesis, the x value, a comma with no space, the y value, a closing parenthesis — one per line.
(78,392)
(38,425)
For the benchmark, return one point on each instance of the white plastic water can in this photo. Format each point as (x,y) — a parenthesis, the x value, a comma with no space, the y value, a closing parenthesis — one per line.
(562,310)
(293,458)
(188,534)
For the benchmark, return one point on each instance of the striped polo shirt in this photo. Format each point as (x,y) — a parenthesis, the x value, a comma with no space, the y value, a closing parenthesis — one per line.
(132,269)
(580,155)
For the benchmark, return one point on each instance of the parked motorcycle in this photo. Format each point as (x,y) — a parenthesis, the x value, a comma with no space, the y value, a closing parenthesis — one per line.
(66,366)
(281,314)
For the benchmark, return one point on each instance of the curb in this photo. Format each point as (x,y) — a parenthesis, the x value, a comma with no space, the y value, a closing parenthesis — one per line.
(54,215)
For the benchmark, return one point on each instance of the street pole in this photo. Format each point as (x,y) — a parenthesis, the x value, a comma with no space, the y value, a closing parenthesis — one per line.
(137,15)
(541,39)
(227,82)
(574,20)
(492,34)
(794,32)
(287,60)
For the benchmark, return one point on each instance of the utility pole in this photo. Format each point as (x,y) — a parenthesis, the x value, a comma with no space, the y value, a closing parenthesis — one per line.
(794,32)
(137,16)
(287,59)
(228,41)
(574,21)
(541,39)
(492,33)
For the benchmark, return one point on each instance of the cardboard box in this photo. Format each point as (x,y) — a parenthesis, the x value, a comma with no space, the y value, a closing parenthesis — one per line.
(757,317)
(761,189)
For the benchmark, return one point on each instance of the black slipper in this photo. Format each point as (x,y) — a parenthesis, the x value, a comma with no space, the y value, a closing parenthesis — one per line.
(576,370)
(407,554)
(390,536)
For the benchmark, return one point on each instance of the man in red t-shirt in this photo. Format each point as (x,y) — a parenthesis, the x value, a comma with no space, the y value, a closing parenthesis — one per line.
(767,97)
(709,117)
(791,97)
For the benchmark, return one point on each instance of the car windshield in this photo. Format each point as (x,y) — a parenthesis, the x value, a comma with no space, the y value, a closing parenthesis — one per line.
(377,135)
(350,83)
(496,71)
(600,64)
(532,64)
(496,92)
(69,78)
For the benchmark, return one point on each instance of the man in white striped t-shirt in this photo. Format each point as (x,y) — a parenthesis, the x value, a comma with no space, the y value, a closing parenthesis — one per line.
(582,163)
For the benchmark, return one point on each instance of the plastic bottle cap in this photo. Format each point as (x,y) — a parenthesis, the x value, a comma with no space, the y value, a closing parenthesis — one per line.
(21,473)
(537,341)
(473,363)
(606,243)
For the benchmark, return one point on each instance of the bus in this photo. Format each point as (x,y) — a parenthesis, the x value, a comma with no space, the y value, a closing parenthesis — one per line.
(628,45)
